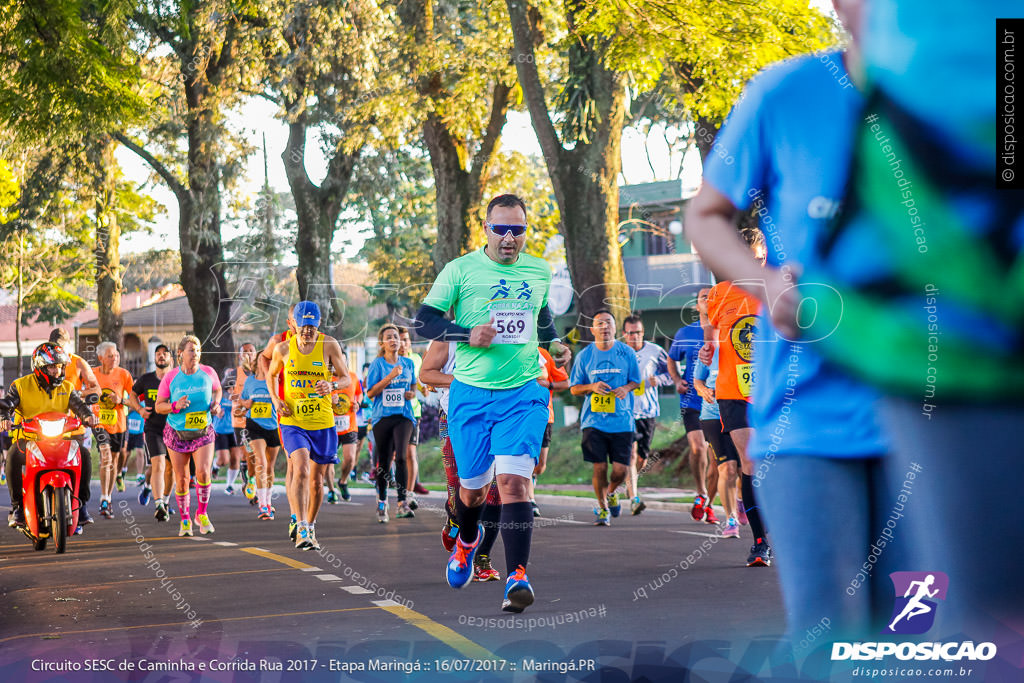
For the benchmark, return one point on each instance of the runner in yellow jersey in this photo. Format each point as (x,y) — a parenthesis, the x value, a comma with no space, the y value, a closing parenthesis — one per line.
(312,366)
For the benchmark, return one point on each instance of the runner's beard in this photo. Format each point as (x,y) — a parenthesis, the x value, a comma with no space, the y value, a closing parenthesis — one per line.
(162,365)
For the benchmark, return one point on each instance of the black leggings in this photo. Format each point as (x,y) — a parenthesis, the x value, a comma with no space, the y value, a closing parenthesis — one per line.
(392,436)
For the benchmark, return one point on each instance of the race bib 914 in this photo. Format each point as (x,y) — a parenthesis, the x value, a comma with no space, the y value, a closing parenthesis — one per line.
(602,403)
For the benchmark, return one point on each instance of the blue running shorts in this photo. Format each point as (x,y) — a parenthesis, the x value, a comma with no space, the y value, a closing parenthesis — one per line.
(483,423)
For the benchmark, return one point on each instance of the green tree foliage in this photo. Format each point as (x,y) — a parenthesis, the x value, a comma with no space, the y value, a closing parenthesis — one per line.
(42,261)
(391,191)
(198,58)
(460,87)
(153,269)
(323,59)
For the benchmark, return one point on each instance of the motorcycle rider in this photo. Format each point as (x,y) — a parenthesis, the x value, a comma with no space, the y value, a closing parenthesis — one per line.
(45,390)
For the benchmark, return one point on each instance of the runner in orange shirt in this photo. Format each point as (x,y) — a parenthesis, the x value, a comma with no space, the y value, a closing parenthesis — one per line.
(554,379)
(114,381)
(348,434)
(732,325)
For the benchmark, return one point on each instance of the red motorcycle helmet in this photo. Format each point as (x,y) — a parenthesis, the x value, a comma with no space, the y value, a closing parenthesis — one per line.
(49,353)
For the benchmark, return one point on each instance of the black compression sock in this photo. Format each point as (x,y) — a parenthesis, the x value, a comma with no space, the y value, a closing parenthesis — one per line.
(491,516)
(516,533)
(750,506)
(468,519)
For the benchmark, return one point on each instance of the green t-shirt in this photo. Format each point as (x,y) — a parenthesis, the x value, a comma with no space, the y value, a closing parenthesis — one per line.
(417,361)
(481,289)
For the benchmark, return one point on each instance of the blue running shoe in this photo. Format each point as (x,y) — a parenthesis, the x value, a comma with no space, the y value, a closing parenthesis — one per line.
(460,564)
(518,592)
(144,495)
(614,506)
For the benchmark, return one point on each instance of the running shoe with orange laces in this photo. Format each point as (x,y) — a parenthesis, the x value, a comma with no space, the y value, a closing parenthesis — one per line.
(459,571)
(518,591)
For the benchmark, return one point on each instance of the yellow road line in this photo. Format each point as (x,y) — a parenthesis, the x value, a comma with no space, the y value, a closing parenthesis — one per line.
(124,581)
(75,542)
(277,558)
(58,634)
(452,639)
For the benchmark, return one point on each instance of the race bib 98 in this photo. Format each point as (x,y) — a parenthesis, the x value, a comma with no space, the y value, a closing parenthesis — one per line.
(513,327)
(745,378)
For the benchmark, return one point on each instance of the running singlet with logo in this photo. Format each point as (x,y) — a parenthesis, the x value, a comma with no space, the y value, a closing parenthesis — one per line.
(111,415)
(346,423)
(310,410)
(262,411)
(199,387)
(510,297)
(733,312)
(615,367)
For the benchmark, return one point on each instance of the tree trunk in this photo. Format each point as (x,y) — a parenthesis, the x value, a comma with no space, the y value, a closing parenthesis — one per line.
(20,299)
(202,253)
(458,187)
(103,167)
(584,178)
(452,188)
(317,210)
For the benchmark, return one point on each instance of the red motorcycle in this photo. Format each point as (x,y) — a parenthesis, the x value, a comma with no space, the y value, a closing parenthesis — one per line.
(53,464)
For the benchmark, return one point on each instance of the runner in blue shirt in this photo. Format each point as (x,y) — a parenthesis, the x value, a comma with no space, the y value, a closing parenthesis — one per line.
(815,428)
(606,373)
(684,350)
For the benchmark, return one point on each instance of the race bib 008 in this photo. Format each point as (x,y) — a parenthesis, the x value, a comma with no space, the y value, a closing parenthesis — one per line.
(393,398)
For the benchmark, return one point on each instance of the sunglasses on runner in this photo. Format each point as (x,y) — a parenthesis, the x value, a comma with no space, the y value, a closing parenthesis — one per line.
(502,230)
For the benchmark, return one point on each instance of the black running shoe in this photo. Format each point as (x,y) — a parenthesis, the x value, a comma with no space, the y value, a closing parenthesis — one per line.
(760,554)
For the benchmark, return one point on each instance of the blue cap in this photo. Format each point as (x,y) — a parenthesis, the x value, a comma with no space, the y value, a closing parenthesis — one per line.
(307,313)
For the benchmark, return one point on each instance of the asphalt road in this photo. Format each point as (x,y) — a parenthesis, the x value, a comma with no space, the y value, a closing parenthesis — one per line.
(643,599)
